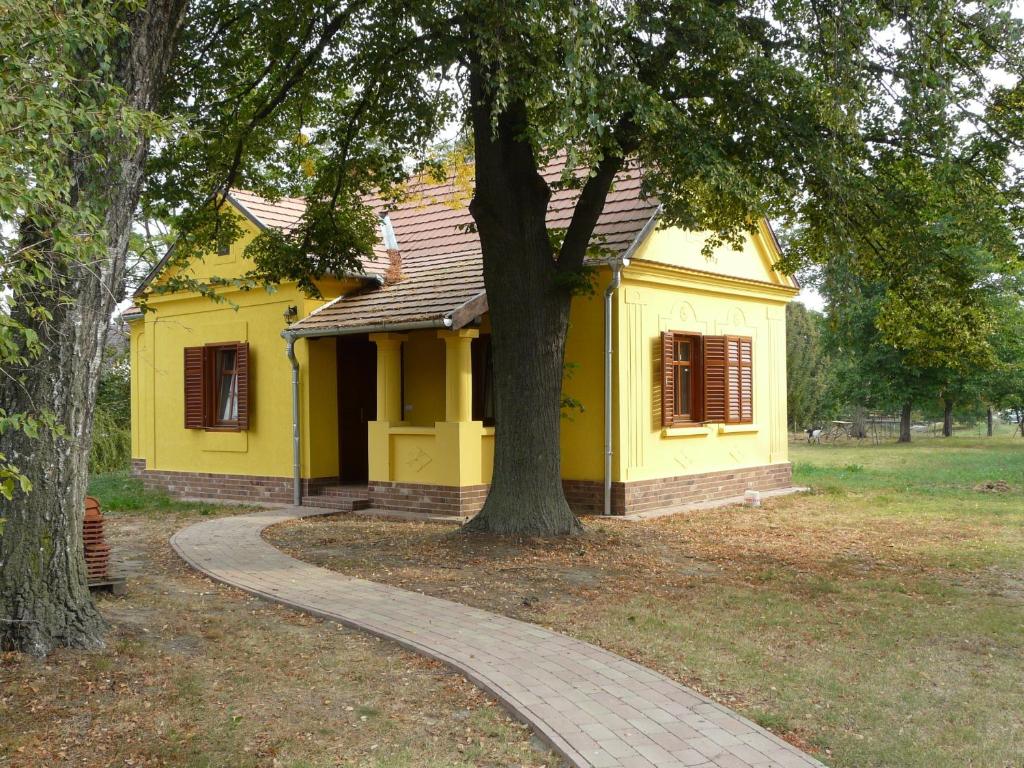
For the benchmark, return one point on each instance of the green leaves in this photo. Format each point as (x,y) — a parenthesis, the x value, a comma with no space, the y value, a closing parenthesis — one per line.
(63,115)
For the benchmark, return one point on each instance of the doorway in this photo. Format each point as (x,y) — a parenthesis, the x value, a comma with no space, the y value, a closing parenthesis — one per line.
(357,405)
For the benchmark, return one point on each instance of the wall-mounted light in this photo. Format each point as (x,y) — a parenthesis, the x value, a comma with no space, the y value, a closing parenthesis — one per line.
(290,314)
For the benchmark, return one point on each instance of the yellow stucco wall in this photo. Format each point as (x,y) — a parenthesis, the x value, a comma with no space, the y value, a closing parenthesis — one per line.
(683,248)
(185,320)
(423,378)
(582,434)
(656,296)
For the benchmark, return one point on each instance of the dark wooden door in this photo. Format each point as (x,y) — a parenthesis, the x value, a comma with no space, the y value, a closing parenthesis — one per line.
(357,405)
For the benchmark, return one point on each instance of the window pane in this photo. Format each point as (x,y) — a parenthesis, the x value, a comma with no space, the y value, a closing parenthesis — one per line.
(227,386)
(682,351)
(684,391)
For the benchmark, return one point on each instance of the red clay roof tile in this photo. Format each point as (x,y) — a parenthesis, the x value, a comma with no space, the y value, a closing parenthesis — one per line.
(440,251)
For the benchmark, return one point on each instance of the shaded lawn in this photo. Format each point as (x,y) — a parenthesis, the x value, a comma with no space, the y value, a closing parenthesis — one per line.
(205,676)
(878,621)
(120,492)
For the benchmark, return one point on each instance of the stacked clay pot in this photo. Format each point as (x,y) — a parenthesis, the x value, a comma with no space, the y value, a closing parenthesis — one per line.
(97,552)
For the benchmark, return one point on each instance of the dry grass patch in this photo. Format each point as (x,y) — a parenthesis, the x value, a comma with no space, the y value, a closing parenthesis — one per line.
(878,621)
(202,675)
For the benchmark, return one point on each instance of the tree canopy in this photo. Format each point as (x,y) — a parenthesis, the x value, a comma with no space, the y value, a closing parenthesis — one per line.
(883,134)
(874,130)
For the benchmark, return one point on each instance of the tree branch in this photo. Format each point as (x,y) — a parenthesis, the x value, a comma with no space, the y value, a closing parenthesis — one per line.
(592,199)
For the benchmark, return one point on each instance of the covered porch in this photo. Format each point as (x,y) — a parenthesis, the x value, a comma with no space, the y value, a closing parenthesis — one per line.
(398,420)
(430,447)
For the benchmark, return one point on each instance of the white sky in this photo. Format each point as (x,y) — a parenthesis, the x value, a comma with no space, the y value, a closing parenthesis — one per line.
(811,299)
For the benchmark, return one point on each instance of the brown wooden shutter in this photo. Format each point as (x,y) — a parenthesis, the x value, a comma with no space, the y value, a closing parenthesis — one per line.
(747,380)
(715,382)
(739,380)
(195,388)
(668,381)
(242,364)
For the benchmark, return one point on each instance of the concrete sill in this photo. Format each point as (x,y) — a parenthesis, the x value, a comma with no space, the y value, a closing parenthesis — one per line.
(407,430)
(736,429)
(684,431)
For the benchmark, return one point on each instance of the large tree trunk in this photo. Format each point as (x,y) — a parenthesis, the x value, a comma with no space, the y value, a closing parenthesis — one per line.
(44,600)
(988,422)
(529,294)
(905,423)
(860,419)
(529,314)
(947,417)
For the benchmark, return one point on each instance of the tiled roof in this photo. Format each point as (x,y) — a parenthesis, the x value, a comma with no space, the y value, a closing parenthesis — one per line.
(440,252)
(430,292)
(281,214)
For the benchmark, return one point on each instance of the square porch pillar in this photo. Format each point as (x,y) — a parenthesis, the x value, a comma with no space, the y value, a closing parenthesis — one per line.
(389,403)
(458,436)
(458,378)
(389,375)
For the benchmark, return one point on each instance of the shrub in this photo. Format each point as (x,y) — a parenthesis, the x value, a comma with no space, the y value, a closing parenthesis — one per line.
(111,443)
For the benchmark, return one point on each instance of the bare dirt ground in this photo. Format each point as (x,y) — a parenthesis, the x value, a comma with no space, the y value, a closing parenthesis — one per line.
(196,674)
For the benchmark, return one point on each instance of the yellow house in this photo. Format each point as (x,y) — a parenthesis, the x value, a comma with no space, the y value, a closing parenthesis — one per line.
(380,394)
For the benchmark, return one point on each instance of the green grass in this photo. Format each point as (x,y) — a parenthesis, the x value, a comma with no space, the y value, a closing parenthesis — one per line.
(878,619)
(932,467)
(120,492)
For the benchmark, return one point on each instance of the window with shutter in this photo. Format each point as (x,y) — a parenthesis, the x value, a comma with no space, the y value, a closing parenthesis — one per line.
(217,387)
(715,385)
(242,366)
(681,390)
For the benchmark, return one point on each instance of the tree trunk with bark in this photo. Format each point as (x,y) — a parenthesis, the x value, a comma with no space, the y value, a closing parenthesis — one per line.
(44,599)
(529,320)
(860,421)
(989,430)
(905,423)
(947,417)
(529,297)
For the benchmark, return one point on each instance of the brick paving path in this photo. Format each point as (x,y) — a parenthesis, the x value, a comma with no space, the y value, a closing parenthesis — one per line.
(596,709)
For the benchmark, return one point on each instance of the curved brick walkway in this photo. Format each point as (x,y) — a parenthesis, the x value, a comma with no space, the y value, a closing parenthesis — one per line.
(597,709)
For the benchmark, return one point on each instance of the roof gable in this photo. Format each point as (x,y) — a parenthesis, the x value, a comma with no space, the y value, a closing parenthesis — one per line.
(230,265)
(683,248)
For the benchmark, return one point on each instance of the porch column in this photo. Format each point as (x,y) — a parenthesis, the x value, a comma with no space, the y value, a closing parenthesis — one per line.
(389,404)
(458,400)
(389,375)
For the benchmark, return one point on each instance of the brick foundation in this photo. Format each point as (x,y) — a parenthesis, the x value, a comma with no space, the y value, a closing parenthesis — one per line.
(217,487)
(584,496)
(430,499)
(587,496)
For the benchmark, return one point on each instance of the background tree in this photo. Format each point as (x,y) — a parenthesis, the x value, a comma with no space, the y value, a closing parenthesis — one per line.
(1002,387)
(868,372)
(79,81)
(808,368)
(922,241)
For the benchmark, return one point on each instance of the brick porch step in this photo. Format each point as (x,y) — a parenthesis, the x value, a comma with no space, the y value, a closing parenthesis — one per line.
(344,498)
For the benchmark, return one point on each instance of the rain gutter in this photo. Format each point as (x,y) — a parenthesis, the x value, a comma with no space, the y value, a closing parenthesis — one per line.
(617,267)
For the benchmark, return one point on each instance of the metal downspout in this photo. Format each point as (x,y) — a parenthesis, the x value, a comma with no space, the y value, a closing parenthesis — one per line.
(296,447)
(608,355)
